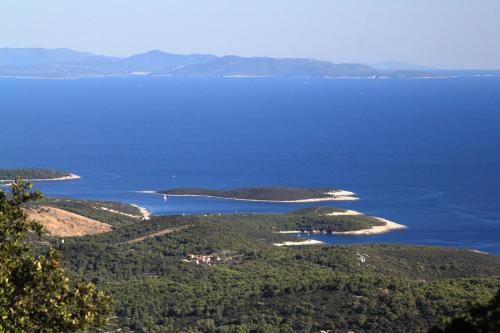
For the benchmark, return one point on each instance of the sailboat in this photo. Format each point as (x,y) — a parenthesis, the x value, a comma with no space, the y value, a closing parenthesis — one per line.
(165,198)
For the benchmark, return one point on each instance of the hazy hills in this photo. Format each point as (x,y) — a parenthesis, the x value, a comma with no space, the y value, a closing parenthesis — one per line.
(37,62)
(398,66)
(263,66)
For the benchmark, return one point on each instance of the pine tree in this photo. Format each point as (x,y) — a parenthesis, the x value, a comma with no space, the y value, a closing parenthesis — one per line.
(35,293)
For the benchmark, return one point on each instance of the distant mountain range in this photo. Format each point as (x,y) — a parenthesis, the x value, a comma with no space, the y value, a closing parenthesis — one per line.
(61,63)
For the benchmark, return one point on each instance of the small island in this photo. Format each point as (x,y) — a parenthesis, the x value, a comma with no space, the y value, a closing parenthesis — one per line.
(267,194)
(35,174)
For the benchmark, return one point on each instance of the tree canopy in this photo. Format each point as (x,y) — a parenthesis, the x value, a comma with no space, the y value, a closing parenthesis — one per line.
(478,319)
(35,293)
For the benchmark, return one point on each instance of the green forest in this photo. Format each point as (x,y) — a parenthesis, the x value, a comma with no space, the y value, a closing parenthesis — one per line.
(31,173)
(258,193)
(157,275)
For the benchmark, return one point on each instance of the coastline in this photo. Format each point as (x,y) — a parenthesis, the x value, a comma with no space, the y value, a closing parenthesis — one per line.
(146,214)
(70,176)
(375,230)
(339,195)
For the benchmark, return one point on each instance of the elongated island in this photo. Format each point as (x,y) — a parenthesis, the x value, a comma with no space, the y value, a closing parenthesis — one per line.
(267,194)
(35,174)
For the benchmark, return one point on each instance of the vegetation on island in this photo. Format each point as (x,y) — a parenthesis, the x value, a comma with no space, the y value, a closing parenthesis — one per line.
(31,173)
(264,193)
(319,210)
(35,292)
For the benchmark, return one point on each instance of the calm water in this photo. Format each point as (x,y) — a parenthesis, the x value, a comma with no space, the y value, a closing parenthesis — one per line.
(425,153)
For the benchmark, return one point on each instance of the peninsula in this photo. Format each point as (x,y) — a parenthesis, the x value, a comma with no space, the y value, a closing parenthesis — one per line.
(268,194)
(35,174)
(337,221)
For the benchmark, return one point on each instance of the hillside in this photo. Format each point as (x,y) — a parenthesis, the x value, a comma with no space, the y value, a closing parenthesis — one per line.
(269,67)
(222,273)
(61,223)
(40,56)
(63,217)
(161,62)
(116,214)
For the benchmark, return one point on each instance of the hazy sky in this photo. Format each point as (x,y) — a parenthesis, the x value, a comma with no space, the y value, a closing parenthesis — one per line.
(440,33)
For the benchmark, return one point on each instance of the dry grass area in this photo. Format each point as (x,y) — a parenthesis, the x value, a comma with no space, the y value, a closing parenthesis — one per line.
(61,223)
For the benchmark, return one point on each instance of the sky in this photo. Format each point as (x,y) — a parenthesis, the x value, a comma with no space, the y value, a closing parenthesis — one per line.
(437,33)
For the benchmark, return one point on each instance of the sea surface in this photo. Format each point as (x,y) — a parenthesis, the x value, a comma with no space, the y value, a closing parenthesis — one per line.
(424,153)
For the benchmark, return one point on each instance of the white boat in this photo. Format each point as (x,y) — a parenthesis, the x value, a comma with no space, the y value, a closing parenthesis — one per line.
(165,198)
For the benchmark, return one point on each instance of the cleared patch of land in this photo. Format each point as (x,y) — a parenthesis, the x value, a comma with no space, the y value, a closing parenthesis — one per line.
(269,194)
(299,243)
(114,213)
(61,223)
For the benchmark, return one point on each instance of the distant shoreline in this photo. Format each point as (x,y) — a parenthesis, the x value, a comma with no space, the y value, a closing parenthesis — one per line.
(131,75)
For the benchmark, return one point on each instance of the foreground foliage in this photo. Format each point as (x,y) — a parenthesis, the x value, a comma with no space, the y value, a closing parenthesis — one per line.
(35,293)
(478,319)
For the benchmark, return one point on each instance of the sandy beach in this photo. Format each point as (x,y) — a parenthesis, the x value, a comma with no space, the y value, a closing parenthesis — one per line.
(71,176)
(305,242)
(146,214)
(346,213)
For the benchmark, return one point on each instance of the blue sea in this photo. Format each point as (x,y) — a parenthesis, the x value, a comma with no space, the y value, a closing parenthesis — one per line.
(424,153)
